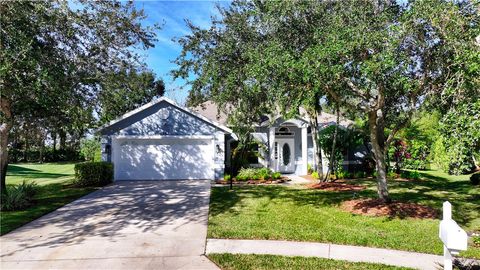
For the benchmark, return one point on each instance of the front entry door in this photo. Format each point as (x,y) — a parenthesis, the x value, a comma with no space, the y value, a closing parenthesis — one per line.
(284,155)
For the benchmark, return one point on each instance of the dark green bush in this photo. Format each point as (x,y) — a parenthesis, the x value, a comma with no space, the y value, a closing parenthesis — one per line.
(360,174)
(93,174)
(19,197)
(475,178)
(415,175)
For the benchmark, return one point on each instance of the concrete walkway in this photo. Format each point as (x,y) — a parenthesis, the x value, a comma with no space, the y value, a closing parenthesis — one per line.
(128,225)
(329,251)
(297,180)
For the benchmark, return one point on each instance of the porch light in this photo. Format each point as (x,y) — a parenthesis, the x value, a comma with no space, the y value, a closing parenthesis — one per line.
(219,149)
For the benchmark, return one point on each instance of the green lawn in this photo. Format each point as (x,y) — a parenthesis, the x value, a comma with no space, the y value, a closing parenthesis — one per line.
(277,212)
(43,174)
(55,190)
(241,261)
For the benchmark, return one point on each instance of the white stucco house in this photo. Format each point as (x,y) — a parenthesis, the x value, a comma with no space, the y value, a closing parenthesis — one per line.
(164,141)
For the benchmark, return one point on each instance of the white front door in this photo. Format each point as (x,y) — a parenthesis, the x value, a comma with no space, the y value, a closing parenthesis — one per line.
(284,155)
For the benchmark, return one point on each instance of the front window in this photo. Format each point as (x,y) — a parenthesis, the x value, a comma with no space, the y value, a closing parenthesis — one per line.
(286,154)
(276,150)
(284,131)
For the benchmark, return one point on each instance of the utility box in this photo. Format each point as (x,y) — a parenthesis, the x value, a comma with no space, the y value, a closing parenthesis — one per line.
(453,237)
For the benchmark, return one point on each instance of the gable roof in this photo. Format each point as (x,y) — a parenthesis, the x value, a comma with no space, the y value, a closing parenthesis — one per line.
(210,110)
(157,101)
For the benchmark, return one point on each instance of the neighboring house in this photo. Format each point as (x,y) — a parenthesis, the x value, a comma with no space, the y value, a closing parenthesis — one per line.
(162,140)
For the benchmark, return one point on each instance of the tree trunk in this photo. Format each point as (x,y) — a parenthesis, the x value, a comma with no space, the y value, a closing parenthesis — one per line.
(54,137)
(43,134)
(377,138)
(331,165)
(318,166)
(27,143)
(477,166)
(63,139)
(4,131)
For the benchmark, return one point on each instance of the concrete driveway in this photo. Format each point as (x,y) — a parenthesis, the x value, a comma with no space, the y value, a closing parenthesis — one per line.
(128,225)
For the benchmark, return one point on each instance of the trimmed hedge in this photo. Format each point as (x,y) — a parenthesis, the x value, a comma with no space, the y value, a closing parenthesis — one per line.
(93,174)
(475,178)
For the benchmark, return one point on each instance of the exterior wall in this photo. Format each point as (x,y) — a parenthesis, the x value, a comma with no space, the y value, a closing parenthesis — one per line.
(219,154)
(166,120)
(161,119)
(262,135)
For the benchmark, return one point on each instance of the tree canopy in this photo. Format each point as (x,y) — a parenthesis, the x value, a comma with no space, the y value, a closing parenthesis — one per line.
(382,60)
(54,56)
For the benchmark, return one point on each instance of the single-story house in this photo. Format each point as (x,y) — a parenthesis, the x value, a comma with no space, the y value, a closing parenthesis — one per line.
(287,143)
(162,140)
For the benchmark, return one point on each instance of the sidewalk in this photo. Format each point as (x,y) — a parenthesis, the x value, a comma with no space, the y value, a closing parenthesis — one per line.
(329,251)
(296,180)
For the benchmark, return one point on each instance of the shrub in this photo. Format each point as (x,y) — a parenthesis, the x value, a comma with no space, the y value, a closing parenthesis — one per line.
(405,174)
(392,175)
(276,175)
(476,241)
(93,173)
(89,147)
(33,155)
(342,174)
(19,197)
(309,168)
(410,175)
(264,173)
(227,177)
(475,178)
(30,189)
(415,175)
(359,175)
(254,174)
(315,175)
(241,178)
(247,174)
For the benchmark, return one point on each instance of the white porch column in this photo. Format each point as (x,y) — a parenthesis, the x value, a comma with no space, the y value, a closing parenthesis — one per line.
(271,140)
(304,151)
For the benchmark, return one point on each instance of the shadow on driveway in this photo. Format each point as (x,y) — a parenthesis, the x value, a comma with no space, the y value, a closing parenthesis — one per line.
(129,219)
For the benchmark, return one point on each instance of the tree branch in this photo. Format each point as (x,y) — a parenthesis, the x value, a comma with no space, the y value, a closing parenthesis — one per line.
(349,102)
(357,91)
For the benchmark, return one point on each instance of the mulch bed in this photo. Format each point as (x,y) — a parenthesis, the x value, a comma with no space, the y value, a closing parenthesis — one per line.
(255,182)
(377,207)
(337,186)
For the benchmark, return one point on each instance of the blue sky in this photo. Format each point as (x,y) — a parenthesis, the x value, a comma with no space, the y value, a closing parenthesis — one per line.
(171,14)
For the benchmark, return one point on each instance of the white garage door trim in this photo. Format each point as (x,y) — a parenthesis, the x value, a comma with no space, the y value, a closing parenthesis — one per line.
(152,151)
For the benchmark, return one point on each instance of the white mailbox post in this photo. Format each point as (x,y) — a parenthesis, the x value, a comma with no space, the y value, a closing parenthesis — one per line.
(453,237)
